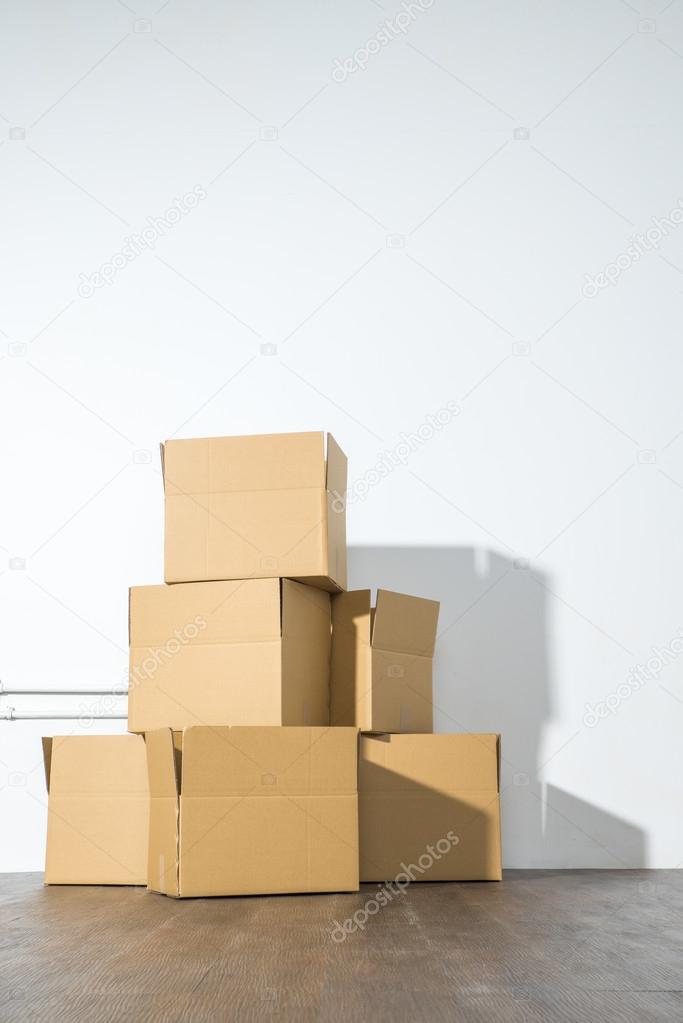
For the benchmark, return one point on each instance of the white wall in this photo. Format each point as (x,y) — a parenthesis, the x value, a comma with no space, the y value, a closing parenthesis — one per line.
(414,235)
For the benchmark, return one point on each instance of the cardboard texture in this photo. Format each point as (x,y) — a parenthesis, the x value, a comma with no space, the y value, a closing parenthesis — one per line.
(256,507)
(248,811)
(98,809)
(434,797)
(254,652)
(381,668)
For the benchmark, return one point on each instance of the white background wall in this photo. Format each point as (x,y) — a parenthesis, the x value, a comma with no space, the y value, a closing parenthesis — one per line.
(414,235)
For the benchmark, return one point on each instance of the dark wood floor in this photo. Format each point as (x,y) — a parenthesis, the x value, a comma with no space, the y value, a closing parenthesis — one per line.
(542,946)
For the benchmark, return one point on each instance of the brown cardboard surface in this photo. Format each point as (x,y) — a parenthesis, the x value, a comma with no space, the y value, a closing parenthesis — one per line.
(416,791)
(381,665)
(264,506)
(405,624)
(98,809)
(164,784)
(250,652)
(253,810)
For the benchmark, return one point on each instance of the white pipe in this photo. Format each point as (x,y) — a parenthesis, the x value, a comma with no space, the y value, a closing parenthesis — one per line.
(11,715)
(76,691)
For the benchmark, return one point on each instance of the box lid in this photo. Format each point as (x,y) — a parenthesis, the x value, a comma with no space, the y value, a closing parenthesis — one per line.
(276,461)
(161,762)
(405,624)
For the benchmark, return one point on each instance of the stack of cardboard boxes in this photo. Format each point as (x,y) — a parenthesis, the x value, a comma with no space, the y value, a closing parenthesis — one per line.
(281,727)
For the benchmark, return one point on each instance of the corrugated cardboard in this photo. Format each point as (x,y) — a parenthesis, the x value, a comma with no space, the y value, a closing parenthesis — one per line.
(429,802)
(98,809)
(249,811)
(381,670)
(254,652)
(256,507)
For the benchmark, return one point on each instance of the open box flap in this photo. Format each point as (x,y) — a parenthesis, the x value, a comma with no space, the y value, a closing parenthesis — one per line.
(163,866)
(47,759)
(405,624)
(161,768)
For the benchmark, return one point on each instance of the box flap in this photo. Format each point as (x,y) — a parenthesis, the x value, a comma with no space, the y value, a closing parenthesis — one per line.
(352,615)
(444,763)
(161,766)
(163,756)
(305,653)
(302,607)
(277,461)
(337,468)
(350,666)
(96,765)
(47,759)
(404,623)
(268,761)
(237,611)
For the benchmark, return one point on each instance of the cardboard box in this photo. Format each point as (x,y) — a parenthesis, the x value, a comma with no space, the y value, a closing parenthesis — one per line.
(256,507)
(250,811)
(98,809)
(429,807)
(254,652)
(381,669)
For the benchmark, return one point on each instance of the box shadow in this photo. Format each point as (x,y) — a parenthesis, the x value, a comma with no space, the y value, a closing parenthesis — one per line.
(493,673)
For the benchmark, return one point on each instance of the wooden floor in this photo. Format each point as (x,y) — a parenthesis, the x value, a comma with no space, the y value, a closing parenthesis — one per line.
(598,946)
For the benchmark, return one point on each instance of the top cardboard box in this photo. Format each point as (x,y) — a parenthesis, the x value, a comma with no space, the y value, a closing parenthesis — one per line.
(256,507)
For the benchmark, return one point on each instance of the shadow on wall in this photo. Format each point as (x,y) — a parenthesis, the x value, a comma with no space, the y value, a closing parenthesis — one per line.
(492,673)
